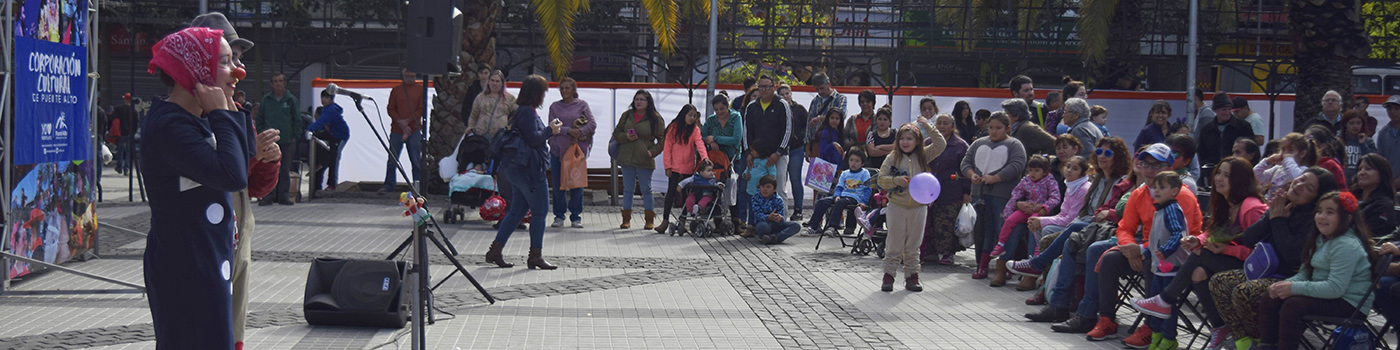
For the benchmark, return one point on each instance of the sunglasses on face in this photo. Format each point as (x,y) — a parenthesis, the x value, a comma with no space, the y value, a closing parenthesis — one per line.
(1104,152)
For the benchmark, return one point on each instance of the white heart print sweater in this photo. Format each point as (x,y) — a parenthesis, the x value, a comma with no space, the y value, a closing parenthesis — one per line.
(1006,158)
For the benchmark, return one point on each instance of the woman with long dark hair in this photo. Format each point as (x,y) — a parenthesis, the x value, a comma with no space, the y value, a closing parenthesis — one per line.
(1157,127)
(1290,218)
(194,155)
(1355,143)
(1335,278)
(638,135)
(1235,204)
(966,125)
(526,167)
(682,143)
(1373,172)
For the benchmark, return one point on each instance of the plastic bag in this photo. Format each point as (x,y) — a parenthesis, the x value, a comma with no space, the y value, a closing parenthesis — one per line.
(447,166)
(967,218)
(573,169)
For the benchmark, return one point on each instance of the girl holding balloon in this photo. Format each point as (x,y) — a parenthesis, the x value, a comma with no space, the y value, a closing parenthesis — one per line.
(907,199)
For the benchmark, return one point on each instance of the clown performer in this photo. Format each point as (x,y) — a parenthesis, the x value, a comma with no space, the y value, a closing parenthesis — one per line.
(196,153)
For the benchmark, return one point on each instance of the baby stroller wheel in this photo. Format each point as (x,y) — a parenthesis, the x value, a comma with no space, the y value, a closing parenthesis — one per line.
(448,216)
(460,213)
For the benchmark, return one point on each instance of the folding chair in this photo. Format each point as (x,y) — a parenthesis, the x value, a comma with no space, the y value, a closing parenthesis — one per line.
(1184,324)
(1324,327)
(858,216)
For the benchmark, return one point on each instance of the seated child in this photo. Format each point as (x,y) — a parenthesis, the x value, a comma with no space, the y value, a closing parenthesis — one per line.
(851,189)
(768,215)
(704,176)
(756,171)
(1033,195)
(1165,256)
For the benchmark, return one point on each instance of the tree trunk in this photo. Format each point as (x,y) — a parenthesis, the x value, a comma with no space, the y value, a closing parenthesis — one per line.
(478,49)
(1327,37)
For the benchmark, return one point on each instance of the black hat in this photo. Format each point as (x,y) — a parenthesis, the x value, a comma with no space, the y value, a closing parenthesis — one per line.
(1221,100)
(1239,102)
(215,20)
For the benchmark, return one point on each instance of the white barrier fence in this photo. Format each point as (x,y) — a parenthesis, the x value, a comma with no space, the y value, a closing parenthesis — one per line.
(365,160)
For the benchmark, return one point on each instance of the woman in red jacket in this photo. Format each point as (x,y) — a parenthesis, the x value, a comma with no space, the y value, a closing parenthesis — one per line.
(1328,147)
(679,147)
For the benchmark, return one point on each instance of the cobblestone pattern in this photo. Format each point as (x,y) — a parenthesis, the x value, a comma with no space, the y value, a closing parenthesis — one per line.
(791,302)
(292,316)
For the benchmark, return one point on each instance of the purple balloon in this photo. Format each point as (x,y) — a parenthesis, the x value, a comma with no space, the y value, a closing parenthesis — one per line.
(924,188)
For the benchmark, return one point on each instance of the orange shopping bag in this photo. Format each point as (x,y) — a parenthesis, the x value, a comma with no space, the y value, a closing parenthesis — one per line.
(573,172)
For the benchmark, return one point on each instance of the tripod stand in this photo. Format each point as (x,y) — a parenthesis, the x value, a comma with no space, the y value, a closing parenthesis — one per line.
(418,275)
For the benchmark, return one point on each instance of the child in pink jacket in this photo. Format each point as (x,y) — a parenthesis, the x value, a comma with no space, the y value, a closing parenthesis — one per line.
(679,149)
(1076,171)
(1037,190)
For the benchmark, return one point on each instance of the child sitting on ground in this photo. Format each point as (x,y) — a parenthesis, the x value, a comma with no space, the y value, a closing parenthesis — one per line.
(768,215)
(851,189)
(757,170)
(1165,254)
(1034,195)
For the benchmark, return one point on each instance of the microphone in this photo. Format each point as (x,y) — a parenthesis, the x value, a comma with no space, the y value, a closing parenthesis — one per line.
(336,90)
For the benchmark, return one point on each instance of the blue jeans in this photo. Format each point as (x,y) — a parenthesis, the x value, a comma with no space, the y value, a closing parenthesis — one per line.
(830,207)
(991,224)
(1165,326)
(1386,299)
(415,150)
(526,197)
(795,158)
(1050,253)
(783,229)
(631,178)
(1021,234)
(1089,306)
(575,199)
(741,202)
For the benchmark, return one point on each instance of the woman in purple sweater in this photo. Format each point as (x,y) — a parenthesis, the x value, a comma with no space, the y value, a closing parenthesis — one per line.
(577,129)
(939,241)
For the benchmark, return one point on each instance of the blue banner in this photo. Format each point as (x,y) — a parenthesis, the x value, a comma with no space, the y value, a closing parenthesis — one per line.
(51,111)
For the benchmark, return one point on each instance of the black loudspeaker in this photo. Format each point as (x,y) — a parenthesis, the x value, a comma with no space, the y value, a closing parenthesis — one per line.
(434,37)
(368,293)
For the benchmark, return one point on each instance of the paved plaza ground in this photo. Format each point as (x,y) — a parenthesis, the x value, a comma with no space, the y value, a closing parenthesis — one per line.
(615,289)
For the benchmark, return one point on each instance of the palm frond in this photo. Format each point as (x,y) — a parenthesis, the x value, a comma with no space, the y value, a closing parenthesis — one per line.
(698,10)
(662,15)
(1029,15)
(1095,17)
(557,19)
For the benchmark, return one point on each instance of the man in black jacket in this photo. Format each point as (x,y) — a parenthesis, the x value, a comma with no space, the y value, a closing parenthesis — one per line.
(1220,133)
(1331,116)
(767,130)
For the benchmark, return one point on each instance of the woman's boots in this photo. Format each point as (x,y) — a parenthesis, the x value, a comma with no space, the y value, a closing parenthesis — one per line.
(981,271)
(1027,283)
(535,261)
(626,218)
(650,216)
(493,255)
(999,276)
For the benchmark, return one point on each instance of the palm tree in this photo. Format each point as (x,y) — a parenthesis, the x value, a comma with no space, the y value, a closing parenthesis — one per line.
(1328,36)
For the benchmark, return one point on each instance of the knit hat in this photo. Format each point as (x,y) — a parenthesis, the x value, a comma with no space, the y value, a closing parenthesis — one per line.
(188,56)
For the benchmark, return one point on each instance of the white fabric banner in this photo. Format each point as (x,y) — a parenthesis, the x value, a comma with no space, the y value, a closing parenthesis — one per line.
(365,159)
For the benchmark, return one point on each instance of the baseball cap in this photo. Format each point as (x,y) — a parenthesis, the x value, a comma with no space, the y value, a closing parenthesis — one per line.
(1239,102)
(126,96)
(1159,151)
(1393,100)
(215,20)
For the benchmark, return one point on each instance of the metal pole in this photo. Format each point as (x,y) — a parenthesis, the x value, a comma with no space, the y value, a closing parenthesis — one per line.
(1191,64)
(7,42)
(714,57)
(203,6)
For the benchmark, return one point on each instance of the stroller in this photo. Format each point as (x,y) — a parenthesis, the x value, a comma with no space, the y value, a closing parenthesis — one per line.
(713,218)
(472,185)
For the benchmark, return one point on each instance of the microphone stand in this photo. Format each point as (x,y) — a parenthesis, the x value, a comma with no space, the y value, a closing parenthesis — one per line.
(418,275)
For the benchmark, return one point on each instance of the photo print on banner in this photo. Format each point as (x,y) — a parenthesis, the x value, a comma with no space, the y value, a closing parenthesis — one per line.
(52,192)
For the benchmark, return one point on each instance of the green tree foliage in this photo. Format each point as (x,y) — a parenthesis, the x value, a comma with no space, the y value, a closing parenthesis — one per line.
(1383,24)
